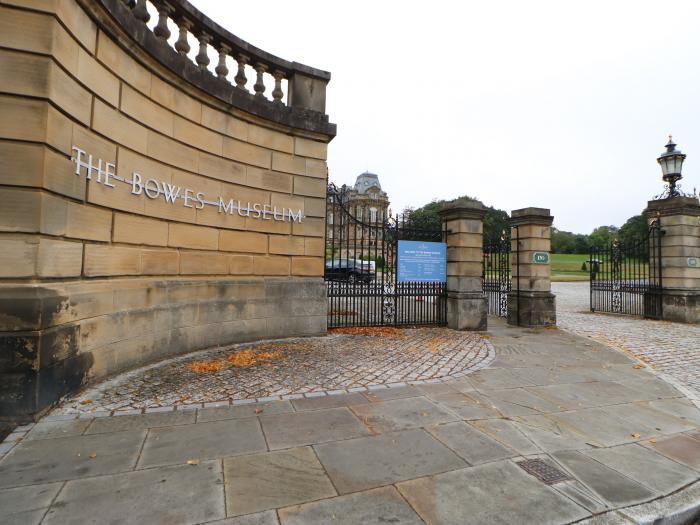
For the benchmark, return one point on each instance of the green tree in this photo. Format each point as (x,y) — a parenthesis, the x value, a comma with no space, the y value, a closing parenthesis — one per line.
(634,229)
(604,235)
(428,218)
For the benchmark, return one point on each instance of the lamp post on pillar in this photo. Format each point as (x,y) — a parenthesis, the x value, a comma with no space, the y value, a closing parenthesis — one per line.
(466,302)
(679,216)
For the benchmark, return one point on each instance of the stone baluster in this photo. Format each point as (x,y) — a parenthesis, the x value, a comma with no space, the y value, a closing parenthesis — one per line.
(161,30)
(202,58)
(240,78)
(141,11)
(182,46)
(259,86)
(277,93)
(221,69)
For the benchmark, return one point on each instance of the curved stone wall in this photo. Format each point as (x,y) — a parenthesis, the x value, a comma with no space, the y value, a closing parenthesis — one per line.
(149,208)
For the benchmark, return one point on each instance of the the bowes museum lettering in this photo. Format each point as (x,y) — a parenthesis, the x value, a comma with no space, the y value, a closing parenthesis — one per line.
(105,173)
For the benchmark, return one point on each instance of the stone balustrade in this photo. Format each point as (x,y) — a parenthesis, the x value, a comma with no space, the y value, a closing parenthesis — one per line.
(238,74)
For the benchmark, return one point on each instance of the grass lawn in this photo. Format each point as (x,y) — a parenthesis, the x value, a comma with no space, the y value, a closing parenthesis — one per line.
(567,267)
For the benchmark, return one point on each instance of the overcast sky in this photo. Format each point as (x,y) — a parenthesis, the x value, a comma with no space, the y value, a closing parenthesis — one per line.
(557,104)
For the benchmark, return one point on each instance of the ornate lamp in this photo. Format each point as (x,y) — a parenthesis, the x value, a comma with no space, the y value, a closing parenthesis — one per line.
(671,162)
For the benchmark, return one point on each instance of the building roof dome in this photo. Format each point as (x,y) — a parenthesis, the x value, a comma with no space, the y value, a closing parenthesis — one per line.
(367,180)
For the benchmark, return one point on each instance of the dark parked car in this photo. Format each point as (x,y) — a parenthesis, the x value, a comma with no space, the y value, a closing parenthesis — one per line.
(350,270)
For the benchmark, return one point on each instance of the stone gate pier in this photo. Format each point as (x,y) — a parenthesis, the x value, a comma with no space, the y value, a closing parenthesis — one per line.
(151,204)
(679,220)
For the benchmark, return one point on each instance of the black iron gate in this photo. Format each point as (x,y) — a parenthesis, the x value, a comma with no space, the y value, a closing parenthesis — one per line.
(497,272)
(360,270)
(626,277)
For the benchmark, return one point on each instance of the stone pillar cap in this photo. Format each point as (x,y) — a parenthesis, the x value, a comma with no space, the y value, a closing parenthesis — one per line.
(531,215)
(674,206)
(463,209)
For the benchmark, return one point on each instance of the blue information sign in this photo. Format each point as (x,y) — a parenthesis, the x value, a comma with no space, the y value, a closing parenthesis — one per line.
(422,261)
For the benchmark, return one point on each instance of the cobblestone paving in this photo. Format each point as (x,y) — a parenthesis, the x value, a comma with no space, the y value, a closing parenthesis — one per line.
(670,349)
(300,367)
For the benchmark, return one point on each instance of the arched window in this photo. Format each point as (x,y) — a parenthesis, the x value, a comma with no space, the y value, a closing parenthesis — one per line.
(358,213)
(373,214)
(330,218)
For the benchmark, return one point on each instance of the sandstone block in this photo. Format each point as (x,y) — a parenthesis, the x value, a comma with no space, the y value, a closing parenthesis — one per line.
(144,110)
(270,265)
(224,123)
(240,241)
(104,260)
(160,262)
(268,138)
(307,266)
(310,148)
(133,229)
(197,237)
(56,258)
(121,64)
(286,245)
(247,153)
(18,256)
(203,263)
(112,123)
(310,187)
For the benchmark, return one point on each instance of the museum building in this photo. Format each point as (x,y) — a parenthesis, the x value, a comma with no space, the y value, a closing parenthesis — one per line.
(163,190)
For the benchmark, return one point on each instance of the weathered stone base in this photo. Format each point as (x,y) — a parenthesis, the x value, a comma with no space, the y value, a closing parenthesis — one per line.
(466,311)
(57,337)
(536,309)
(681,306)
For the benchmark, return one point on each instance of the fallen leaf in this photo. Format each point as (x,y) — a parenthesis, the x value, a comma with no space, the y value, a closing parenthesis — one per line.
(258,410)
(93,455)
(86,401)
(193,462)
(652,441)
(635,435)
(639,366)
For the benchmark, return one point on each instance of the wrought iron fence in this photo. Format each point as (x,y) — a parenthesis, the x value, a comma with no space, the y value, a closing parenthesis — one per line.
(497,277)
(626,277)
(361,271)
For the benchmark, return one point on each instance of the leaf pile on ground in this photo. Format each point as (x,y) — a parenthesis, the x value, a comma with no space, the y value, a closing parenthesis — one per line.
(371,331)
(206,367)
(260,354)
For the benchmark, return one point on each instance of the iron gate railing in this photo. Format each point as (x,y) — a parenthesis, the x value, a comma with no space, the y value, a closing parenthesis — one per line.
(626,277)
(497,274)
(360,270)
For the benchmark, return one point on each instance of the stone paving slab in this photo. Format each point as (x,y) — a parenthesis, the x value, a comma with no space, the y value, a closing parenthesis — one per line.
(401,414)
(508,434)
(57,429)
(681,448)
(238,411)
(603,428)
(27,505)
(470,444)
(651,470)
(273,480)
(104,425)
(57,459)
(173,445)
(336,401)
(263,518)
(373,507)
(308,428)
(364,463)
(616,489)
(459,497)
(179,494)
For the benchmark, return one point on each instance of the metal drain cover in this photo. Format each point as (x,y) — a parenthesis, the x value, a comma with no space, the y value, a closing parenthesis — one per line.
(543,471)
